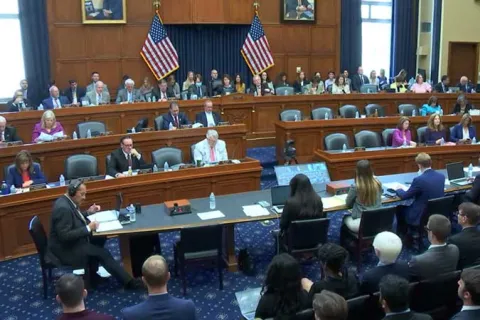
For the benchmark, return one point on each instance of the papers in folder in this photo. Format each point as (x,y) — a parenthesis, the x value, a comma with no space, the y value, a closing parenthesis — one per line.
(395,186)
(108,220)
(255,210)
(211,215)
(333,202)
(109,226)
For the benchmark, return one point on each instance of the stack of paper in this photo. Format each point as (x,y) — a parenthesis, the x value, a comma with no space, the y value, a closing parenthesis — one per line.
(101,272)
(211,215)
(109,226)
(103,216)
(332,202)
(255,210)
(395,186)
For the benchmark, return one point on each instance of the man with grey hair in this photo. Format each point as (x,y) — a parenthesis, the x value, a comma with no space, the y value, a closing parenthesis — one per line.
(387,247)
(24,88)
(211,149)
(257,88)
(465,85)
(7,134)
(129,94)
(159,304)
(55,101)
(208,118)
(99,96)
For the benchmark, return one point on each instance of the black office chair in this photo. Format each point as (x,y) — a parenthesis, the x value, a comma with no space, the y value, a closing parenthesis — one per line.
(158,123)
(367,139)
(372,223)
(170,155)
(387,136)
(80,166)
(371,108)
(307,314)
(407,109)
(199,244)
(291,115)
(348,111)
(335,141)
(421,134)
(6,169)
(359,308)
(96,128)
(284,91)
(304,236)
(319,113)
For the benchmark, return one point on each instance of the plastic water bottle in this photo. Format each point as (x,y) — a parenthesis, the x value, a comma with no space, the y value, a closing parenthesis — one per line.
(154,99)
(326,116)
(414,113)
(62,180)
(470,171)
(212,201)
(155,168)
(285,93)
(474,140)
(165,166)
(132,213)
(74,135)
(13,190)
(357,115)
(149,99)
(89,133)
(40,107)
(4,189)
(441,111)
(404,142)
(442,142)
(133,130)
(401,113)
(170,126)
(296,117)
(129,171)
(344,148)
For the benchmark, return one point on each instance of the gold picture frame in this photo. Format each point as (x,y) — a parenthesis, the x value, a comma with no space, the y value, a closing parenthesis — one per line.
(104,11)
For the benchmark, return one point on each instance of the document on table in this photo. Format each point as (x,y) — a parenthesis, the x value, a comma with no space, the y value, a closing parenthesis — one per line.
(395,186)
(211,215)
(104,216)
(332,202)
(109,226)
(255,210)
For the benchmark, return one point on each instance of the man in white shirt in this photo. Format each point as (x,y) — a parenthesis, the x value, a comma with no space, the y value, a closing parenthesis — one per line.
(55,101)
(129,94)
(208,118)
(469,292)
(98,96)
(211,149)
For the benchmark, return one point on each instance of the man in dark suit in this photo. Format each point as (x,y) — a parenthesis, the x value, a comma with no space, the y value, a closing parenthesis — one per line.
(174,119)
(394,300)
(465,85)
(198,89)
(359,80)
(124,157)
(71,238)
(214,85)
(162,92)
(468,240)
(469,292)
(442,86)
(7,134)
(18,103)
(440,257)
(71,293)
(208,118)
(112,10)
(429,185)
(74,93)
(159,305)
(259,89)
(55,101)
(387,247)
(473,195)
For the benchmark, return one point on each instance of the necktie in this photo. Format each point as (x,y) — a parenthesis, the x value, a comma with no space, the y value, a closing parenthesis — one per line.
(361,77)
(200,92)
(3,136)
(176,121)
(74,97)
(129,160)
(99,99)
(55,105)
(58,103)
(212,154)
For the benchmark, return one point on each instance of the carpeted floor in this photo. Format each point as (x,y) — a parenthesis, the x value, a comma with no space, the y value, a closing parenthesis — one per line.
(20,279)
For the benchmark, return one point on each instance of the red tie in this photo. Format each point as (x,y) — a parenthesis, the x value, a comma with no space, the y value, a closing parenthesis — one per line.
(129,160)
(212,154)
(176,121)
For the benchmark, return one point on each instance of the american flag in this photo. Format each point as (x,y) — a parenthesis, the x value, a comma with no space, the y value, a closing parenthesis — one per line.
(256,50)
(158,52)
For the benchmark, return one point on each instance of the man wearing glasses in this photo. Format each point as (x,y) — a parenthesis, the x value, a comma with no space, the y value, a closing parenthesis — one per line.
(468,240)
(123,158)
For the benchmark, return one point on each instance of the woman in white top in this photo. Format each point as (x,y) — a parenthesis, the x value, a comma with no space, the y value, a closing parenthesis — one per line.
(189,81)
(373,77)
(340,87)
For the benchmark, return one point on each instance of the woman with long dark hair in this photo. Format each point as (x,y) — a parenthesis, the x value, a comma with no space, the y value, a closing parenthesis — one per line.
(282,292)
(25,172)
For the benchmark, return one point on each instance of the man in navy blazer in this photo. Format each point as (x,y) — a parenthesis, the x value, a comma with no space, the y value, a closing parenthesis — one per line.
(174,117)
(469,292)
(428,185)
(208,118)
(55,101)
(74,93)
(159,305)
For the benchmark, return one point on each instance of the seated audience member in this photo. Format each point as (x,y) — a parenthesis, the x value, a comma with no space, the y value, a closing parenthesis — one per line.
(435,131)
(95,79)
(430,107)
(420,86)
(465,85)
(146,89)
(48,128)
(335,276)
(463,131)
(399,85)
(329,305)
(347,79)
(189,81)
(259,89)
(162,92)
(174,119)
(364,194)
(211,149)
(462,106)
(159,304)
(282,293)
(428,185)
(25,172)
(208,118)
(124,157)
(440,257)
(340,87)
(7,134)
(18,103)
(316,86)
(442,86)
(71,293)
(282,80)
(24,88)
(55,101)
(402,136)
(198,89)
(394,299)
(300,83)
(265,79)
(359,79)
(129,94)
(173,86)
(98,96)
(121,86)
(388,247)
(239,84)
(382,80)
(303,204)
(472,195)
(330,81)
(227,87)
(469,293)
(373,78)
(468,240)
(74,93)
(214,86)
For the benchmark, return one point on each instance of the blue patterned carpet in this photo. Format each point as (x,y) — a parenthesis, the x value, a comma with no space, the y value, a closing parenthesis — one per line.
(20,279)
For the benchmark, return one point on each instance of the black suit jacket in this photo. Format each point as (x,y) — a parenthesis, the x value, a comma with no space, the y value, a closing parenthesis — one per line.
(201,117)
(467,315)
(200,92)
(372,277)
(214,87)
(167,119)
(11,134)
(297,86)
(468,243)
(13,107)
(81,92)
(357,82)
(473,195)
(409,316)
(264,86)
(434,261)
(466,88)
(457,108)
(119,163)
(156,93)
(439,88)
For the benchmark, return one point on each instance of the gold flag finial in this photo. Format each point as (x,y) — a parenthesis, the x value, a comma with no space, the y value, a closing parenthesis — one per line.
(156,4)
(256,5)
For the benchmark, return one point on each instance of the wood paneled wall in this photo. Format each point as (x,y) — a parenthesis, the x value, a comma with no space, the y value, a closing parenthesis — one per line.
(113,50)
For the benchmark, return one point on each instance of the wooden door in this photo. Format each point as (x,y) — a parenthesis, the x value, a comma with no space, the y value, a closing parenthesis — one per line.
(463,61)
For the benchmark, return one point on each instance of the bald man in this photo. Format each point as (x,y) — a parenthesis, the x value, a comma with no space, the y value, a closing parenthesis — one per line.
(259,89)
(98,96)
(159,305)
(55,101)
(7,134)
(465,85)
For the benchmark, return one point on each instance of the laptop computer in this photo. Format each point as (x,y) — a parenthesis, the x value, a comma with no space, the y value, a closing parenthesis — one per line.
(279,195)
(456,175)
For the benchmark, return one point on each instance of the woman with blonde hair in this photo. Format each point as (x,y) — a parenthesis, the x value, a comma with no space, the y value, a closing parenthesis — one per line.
(463,131)
(189,81)
(146,89)
(47,129)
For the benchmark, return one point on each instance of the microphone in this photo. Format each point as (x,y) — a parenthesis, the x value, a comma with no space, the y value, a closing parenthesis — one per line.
(343,90)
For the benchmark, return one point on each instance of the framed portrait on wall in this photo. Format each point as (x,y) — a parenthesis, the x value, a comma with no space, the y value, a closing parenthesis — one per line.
(104,11)
(297,11)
